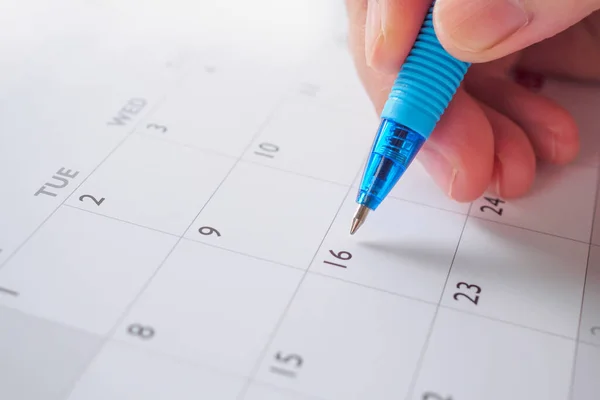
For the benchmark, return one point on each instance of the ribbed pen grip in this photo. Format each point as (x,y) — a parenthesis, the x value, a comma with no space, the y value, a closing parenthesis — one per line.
(426,83)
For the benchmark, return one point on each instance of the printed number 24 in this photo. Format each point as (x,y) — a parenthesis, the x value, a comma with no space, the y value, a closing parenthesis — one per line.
(495,203)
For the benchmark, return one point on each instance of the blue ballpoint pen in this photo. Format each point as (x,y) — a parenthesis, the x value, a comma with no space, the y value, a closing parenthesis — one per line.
(420,95)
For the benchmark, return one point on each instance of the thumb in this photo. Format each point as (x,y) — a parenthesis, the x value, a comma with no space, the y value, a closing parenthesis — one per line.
(485,30)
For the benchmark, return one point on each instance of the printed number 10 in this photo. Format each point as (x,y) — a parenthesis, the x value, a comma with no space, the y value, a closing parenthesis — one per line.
(266,149)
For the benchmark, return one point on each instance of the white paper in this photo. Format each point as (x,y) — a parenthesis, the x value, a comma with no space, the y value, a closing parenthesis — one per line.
(178,181)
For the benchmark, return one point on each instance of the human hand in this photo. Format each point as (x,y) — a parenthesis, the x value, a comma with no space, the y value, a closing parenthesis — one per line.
(494,129)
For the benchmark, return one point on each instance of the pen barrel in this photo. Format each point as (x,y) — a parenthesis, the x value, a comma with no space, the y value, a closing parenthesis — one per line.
(425,84)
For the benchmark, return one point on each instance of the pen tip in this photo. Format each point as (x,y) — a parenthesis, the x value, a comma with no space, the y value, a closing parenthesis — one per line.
(359,218)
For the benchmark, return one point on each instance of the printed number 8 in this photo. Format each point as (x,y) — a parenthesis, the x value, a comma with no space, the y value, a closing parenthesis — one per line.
(143,332)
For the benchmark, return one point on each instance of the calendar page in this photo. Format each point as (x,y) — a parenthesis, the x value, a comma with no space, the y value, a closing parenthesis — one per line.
(178,182)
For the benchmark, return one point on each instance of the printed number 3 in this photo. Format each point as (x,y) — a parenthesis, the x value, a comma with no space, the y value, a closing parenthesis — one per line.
(158,127)
(475,299)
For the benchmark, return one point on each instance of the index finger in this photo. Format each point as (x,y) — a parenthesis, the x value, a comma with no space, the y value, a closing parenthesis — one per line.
(390,29)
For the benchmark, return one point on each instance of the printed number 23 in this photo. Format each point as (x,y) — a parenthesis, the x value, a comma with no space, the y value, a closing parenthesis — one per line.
(472,288)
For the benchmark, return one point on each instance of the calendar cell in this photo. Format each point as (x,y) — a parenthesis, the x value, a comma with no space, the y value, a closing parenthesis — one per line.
(40,359)
(331,71)
(33,193)
(335,142)
(590,313)
(581,102)
(82,269)
(341,341)
(90,90)
(164,189)
(284,217)
(473,358)
(586,384)
(417,186)
(560,203)
(518,276)
(125,372)
(404,248)
(39,171)
(211,306)
(66,115)
(219,108)
(259,391)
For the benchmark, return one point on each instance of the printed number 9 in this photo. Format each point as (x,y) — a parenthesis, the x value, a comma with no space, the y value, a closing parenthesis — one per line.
(207,231)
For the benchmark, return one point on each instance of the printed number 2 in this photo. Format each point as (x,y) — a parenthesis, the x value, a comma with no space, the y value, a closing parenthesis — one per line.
(495,203)
(98,202)
(475,299)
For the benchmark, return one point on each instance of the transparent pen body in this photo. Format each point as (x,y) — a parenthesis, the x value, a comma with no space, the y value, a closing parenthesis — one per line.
(424,87)
(394,149)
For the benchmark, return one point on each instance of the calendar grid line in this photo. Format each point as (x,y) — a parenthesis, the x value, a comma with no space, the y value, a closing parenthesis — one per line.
(389,292)
(207,367)
(325,276)
(503,321)
(243,254)
(295,173)
(418,366)
(340,279)
(199,281)
(51,321)
(529,230)
(588,343)
(120,220)
(178,359)
(280,321)
(242,160)
(581,307)
(187,145)
(146,284)
(283,98)
(126,137)
(51,214)
(395,197)
(304,395)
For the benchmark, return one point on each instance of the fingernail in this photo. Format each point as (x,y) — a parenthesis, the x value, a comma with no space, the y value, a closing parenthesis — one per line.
(497,175)
(439,168)
(374,27)
(477,25)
